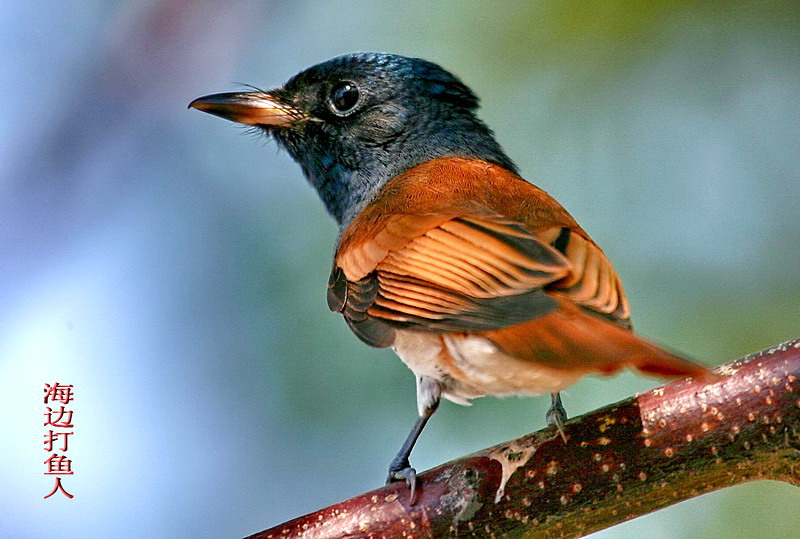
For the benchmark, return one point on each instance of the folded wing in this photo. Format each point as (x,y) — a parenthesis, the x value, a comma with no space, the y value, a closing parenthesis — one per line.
(458,246)
(466,273)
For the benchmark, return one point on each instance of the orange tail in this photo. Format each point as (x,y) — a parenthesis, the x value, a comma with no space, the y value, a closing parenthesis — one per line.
(570,339)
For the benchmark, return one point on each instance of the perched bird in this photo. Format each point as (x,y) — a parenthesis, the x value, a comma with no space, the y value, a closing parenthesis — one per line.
(481,282)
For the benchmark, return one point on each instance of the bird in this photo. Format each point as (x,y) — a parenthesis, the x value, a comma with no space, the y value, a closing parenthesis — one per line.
(480,281)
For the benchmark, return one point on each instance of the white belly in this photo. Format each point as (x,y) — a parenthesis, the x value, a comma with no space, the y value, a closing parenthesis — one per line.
(470,366)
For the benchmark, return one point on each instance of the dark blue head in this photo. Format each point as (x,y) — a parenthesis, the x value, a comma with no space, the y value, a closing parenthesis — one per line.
(358,120)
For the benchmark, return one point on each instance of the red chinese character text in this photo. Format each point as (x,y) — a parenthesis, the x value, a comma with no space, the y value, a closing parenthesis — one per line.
(60,487)
(52,437)
(58,393)
(60,421)
(58,465)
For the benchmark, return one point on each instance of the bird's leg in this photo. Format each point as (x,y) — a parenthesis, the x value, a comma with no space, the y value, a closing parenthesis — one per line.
(428,395)
(556,415)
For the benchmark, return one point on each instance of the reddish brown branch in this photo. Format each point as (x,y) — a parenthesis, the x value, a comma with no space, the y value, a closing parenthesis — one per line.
(634,457)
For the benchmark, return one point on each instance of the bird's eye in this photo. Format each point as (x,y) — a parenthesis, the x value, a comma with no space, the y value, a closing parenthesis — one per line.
(344,97)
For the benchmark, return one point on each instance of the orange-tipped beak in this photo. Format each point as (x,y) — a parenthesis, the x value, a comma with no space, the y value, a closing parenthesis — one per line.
(250,108)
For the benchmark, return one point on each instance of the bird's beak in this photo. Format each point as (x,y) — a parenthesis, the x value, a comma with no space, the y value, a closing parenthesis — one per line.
(250,108)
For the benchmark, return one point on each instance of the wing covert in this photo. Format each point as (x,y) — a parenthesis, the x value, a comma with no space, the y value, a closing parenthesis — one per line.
(464,273)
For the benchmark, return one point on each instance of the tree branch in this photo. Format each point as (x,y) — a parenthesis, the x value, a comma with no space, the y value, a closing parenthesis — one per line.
(647,452)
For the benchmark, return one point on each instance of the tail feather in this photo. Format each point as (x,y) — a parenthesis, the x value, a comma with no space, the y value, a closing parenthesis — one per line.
(571,339)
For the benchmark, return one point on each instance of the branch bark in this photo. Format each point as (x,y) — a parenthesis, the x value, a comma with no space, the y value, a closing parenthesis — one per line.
(647,452)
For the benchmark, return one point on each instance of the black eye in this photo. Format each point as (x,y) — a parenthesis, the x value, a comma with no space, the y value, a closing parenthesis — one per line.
(344,97)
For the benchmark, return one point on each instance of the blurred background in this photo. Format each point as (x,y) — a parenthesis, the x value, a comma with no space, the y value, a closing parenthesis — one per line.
(173,270)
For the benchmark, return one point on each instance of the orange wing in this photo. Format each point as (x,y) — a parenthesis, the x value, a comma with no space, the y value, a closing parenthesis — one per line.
(462,246)
(465,274)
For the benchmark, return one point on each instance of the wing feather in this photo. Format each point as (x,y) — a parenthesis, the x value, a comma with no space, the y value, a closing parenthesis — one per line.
(449,254)
(464,248)
(461,274)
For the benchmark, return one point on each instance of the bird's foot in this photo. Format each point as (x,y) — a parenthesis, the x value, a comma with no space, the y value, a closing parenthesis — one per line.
(557,415)
(401,470)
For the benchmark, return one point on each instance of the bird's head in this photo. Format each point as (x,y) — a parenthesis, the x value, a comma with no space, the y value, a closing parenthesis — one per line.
(358,120)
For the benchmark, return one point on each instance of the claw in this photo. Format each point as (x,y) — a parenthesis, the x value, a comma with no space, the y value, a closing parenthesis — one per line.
(428,393)
(407,474)
(556,415)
